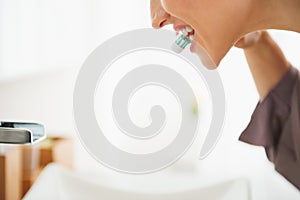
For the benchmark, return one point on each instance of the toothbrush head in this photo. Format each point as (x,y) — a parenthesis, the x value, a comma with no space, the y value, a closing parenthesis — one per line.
(179,45)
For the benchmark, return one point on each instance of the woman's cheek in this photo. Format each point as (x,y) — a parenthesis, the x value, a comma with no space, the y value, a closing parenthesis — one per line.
(180,9)
(165,4)
(171,6)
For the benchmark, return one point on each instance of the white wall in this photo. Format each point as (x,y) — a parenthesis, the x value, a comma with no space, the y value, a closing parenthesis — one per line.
(49,44)
(42,45)
(40,35)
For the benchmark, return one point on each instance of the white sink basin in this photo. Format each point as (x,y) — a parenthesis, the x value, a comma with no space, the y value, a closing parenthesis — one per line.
(61,184)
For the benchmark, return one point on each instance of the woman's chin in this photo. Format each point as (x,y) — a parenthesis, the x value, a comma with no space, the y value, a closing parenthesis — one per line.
(205,58)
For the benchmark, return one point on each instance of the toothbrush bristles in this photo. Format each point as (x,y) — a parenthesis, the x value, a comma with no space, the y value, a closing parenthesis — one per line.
(183,41)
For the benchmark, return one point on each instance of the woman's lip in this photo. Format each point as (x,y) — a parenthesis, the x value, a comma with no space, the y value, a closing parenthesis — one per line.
(193,46)
(179,27)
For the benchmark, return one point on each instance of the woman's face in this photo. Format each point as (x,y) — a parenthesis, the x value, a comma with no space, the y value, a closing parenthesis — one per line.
(217,24)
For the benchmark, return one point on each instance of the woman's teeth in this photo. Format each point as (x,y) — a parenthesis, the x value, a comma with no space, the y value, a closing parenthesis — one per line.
(184,32)
(189,29)
(188,32)
(184,39)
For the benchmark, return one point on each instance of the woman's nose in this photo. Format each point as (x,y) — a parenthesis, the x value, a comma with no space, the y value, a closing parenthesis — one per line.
(160,18)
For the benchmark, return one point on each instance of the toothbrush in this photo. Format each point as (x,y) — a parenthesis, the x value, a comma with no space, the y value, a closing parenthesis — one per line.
(183,40)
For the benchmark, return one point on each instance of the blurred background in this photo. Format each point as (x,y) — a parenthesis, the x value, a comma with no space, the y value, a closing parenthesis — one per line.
(43,45)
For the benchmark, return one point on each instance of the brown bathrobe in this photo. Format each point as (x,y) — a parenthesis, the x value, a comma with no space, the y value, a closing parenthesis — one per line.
(275,125)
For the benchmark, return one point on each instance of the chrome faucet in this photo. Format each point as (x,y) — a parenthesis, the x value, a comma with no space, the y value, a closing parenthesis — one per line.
(21,133)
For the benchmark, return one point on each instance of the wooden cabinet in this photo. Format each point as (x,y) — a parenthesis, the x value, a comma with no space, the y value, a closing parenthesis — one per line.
(10,173)
(35,158)
(58,150)
(21,165)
